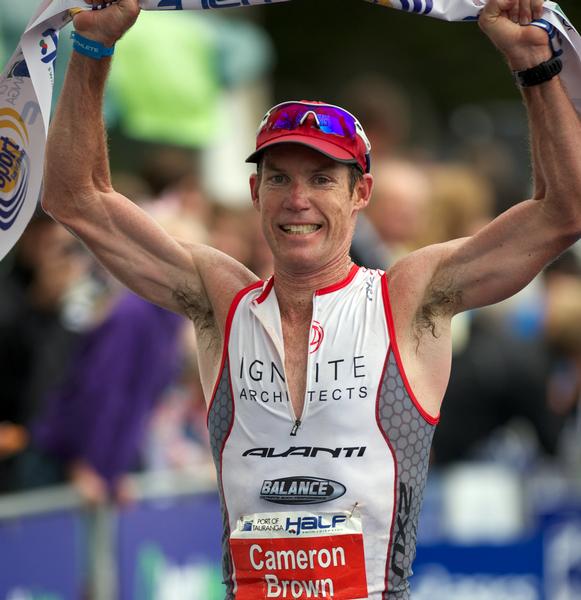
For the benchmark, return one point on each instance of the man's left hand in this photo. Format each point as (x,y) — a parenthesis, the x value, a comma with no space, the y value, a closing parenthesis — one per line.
(507,24)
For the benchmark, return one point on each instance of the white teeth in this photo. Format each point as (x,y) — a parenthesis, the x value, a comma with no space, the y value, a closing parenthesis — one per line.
(300,228)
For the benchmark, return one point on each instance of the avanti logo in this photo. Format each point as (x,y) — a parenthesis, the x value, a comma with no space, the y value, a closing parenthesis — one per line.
(14,166)
(301,490)
(308,452)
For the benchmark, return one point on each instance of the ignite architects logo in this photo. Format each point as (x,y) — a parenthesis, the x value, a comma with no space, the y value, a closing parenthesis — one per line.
(14,166)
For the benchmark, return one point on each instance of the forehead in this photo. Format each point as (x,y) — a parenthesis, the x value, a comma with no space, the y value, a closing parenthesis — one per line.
(291,155)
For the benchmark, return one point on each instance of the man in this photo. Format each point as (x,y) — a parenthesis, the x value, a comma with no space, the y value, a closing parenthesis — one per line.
(320,444)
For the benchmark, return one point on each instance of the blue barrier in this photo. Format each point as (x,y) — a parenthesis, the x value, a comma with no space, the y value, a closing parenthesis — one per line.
(168,546)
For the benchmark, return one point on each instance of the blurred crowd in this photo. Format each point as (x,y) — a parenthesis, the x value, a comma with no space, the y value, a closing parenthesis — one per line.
(97,383)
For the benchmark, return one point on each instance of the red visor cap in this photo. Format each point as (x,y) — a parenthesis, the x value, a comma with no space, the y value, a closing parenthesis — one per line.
(341,149)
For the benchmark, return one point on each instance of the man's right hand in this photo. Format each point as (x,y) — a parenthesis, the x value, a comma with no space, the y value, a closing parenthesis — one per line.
(109,24)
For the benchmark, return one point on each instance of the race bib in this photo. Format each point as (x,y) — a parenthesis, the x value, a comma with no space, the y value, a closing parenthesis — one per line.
(299,555)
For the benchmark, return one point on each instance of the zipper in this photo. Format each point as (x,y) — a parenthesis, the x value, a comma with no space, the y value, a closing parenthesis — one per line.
(295,428)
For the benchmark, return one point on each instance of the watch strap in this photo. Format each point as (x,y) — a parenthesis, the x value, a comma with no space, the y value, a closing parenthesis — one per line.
(539,74)
(90,48)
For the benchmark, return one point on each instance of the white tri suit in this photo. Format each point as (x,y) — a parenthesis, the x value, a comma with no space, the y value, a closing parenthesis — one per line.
(323,504)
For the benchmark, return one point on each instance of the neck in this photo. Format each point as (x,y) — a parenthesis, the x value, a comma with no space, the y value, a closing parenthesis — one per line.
(294,291)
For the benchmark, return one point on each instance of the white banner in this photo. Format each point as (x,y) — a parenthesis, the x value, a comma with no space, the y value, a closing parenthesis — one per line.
(26,86)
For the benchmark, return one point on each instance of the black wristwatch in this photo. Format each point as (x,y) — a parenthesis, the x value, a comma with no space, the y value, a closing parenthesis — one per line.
(539,74)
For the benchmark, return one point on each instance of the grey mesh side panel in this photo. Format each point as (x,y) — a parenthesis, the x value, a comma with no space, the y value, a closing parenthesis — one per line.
(410,436)
(219,423)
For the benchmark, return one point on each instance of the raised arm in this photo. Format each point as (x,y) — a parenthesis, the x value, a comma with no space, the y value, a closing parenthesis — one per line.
(190,279)
(504,256)
(433,284)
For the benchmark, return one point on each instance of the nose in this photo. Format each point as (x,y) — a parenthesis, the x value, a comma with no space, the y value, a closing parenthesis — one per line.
(297,198)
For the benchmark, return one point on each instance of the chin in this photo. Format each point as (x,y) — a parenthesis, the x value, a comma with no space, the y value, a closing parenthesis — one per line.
(299,262)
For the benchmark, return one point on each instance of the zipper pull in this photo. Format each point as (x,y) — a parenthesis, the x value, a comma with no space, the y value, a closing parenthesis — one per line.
(295,427)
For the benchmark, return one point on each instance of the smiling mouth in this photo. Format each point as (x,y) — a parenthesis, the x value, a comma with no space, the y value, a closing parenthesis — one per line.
(300,229)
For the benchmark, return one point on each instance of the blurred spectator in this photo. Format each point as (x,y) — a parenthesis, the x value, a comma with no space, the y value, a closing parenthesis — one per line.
(396,216)
(462,202)
(563,335)
(94,422)
(178,436)
(384,108)
(212,68)
(496,378)
(237,232)
(35,344)
(182,110)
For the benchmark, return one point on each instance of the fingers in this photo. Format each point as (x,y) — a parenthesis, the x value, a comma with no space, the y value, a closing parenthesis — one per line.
(525,11)
(537,9)
(518,11)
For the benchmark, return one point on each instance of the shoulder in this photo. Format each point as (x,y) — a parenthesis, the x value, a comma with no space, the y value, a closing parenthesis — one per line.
(419,288)
(207,301)
(411,276)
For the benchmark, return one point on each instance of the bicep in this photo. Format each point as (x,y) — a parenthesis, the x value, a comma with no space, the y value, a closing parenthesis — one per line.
(145,258)
(131,245)
(502,258)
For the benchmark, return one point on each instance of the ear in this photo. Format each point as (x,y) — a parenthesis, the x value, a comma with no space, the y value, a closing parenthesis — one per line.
(362,192)
(254,185)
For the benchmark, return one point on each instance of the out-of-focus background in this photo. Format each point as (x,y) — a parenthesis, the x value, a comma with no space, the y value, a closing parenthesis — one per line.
(106,484)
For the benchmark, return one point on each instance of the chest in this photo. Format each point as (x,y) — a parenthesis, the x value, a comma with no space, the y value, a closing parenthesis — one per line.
(321,367)
(296,361)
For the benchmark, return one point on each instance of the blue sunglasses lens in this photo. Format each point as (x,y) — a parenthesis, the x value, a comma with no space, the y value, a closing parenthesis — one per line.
(328,119)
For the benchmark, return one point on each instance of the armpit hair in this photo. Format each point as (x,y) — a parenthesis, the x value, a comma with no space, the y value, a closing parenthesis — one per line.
(196,307)
(440,300)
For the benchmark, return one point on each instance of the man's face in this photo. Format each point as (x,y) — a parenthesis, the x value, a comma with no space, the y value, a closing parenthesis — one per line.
(307,207)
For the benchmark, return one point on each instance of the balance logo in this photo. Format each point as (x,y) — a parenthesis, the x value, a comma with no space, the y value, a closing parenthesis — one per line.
(301,490)
(14,166)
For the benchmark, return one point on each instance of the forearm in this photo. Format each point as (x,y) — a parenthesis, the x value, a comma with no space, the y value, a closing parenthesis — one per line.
(538,176)
(77,166)
(76,154)
(554,124)
(556,136)
(521,61)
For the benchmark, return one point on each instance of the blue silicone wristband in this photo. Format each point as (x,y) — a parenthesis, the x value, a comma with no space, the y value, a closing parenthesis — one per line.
(90,48)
